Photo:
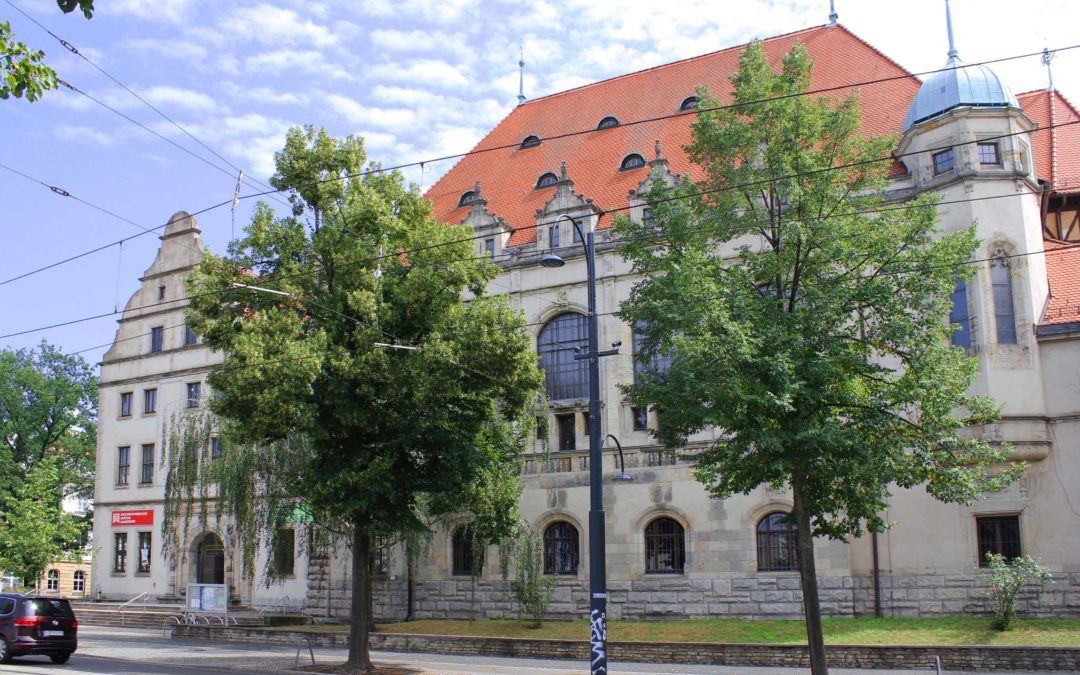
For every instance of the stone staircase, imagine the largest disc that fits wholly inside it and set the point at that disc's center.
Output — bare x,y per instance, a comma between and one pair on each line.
149,615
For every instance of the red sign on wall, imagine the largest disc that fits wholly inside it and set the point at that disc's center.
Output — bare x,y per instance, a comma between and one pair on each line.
125,518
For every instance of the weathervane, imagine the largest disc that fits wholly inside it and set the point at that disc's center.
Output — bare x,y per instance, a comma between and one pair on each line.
833,16
1047,57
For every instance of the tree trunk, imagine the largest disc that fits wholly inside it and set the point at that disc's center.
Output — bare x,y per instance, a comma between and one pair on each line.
804,542
359,657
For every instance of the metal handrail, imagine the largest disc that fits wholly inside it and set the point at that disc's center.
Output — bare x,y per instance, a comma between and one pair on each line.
124,606
280,603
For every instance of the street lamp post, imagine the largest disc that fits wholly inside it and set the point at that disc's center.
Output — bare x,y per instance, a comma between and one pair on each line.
597,538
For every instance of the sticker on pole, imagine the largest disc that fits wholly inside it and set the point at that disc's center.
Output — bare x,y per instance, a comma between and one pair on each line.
600,596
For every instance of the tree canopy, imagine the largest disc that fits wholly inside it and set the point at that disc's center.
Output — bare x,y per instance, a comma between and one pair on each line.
48,429
23,71
806,318
357,380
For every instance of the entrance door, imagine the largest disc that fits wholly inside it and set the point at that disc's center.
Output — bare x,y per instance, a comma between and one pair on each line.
211,569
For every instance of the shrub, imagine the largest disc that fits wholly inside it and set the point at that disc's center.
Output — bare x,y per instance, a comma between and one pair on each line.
532,588
1006,579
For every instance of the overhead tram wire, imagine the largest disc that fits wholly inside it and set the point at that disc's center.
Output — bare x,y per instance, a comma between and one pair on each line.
379,169
74,50
1063,249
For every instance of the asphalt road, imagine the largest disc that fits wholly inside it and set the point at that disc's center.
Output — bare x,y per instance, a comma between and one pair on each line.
130,651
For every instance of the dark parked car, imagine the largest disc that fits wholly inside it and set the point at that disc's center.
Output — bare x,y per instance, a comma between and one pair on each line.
37,625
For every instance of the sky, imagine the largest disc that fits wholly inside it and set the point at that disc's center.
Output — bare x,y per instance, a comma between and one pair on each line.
418,80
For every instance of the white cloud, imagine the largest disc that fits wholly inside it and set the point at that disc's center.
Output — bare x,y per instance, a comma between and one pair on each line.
432,72
277,26
80,134
169,11
261,95
176,97
181,50
293,61
364,116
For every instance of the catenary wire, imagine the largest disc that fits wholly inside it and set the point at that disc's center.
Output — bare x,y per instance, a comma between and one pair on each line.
680,113
74,50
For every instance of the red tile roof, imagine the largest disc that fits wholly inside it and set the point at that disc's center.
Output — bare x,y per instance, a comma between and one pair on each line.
1063,273
1057,145
508,175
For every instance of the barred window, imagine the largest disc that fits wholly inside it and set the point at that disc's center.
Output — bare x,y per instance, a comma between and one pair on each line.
465,563
119,552
776,549
665,547
998,534
561,548
564,376
1004,312
652,363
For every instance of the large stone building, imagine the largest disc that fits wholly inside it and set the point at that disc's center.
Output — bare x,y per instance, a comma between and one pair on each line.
1009,164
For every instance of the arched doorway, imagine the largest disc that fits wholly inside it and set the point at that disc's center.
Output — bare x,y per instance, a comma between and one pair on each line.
210,560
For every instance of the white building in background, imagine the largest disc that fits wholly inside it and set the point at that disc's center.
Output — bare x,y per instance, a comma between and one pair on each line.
1008,163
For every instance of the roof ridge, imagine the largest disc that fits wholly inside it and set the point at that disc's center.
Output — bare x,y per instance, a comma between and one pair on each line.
876,50
689,59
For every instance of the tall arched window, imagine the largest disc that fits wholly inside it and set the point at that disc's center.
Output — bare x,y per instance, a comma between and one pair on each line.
776,543
78,582
1004,313
665,547
465,560
53,581
959,316
655,363
560,548
564,376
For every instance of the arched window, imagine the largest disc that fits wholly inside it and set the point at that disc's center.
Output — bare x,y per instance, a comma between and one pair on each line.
959,316
53,582
530,142
465,560
689,103
776,543
1004,313
564,376
546,180
608,122
78,582
560,548
470,197
632,161
665,547
653,363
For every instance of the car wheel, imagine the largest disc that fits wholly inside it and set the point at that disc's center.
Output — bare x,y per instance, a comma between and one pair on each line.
60,658
5,651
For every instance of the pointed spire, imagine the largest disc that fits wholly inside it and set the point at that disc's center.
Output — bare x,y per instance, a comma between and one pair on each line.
833,16
1047,57
948,24
521,72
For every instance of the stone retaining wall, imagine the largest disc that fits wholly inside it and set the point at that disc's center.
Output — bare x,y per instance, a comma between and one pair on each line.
981,658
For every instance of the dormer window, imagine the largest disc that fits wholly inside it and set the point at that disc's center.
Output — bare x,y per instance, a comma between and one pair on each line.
944,161
530,142
546,180
607,123
632,161
689,103
470,197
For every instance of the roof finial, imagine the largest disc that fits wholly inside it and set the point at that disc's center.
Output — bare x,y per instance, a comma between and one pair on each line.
1047,57
521,72
948,23
658,148
477,188
833,16
562,170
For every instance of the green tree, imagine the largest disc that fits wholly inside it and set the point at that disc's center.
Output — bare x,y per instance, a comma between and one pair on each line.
804,320
317,409
33,527
22,69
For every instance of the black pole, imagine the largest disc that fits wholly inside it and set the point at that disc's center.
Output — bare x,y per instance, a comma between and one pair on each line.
597,539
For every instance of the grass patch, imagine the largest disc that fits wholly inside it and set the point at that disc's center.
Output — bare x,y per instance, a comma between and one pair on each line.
887,631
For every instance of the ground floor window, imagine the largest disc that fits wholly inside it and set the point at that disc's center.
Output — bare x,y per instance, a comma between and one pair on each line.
998,534
78,582
561,549
120,552
144,553
776,543
285,552
52,582
466,562
665,547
